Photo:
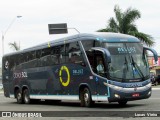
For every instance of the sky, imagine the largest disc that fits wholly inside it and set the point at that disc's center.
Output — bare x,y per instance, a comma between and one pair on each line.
85,15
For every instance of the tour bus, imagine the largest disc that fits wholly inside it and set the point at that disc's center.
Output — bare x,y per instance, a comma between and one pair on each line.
107,67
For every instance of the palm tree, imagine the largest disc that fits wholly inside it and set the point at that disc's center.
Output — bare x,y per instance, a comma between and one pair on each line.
124,23
14,46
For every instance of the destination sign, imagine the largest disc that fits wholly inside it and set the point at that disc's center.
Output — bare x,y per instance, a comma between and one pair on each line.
126,49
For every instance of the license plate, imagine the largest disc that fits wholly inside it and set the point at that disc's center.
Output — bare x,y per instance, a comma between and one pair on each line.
135,95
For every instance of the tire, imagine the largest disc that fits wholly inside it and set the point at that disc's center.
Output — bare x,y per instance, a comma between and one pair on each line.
26,96
19,97
122,103
85,97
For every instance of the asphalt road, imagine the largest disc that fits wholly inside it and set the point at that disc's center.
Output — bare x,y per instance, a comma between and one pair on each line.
151,105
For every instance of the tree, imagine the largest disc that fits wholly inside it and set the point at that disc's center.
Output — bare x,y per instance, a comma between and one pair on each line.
124,23
14,46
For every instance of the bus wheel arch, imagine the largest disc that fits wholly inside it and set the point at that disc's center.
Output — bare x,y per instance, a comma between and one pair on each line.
85,96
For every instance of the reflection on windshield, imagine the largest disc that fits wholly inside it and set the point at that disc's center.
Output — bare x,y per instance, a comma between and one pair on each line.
127,61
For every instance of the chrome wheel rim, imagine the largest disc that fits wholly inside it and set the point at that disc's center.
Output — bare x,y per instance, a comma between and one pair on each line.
19,96
86,97
26,98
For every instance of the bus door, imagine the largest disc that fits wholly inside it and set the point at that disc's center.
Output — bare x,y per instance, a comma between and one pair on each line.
100,63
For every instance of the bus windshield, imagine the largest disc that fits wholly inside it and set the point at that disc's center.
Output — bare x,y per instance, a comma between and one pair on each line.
128,62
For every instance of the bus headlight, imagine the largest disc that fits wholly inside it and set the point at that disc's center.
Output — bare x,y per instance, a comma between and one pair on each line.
116,95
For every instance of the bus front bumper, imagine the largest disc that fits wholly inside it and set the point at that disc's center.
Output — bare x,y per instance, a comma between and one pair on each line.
129,94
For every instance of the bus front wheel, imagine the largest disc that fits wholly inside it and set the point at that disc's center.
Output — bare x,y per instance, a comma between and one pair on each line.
85,96
19,97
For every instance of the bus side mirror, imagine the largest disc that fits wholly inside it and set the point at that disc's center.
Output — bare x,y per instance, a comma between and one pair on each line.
153,51
107,55
105,52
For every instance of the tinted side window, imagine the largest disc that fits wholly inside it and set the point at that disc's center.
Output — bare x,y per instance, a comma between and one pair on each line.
55,55
73,53
68,53
88,44
62,53
45,57
28,60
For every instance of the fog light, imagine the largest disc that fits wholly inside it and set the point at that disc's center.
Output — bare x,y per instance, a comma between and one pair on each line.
117,96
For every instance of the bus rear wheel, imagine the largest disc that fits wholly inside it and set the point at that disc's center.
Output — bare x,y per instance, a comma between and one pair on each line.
26,97
85,96
19,97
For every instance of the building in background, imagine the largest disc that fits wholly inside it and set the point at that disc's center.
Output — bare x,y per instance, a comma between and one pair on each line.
154,67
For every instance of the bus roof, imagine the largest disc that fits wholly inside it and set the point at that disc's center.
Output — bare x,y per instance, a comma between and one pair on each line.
101,36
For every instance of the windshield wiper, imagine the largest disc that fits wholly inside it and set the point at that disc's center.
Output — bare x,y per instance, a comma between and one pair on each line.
137,68
125,68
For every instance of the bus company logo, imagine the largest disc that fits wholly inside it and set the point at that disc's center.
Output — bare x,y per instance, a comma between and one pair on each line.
64,68
6,65
20,75
134,85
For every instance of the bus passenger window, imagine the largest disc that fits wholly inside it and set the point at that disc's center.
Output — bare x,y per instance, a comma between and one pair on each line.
54,59
74,54
89,44
62,54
